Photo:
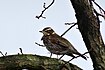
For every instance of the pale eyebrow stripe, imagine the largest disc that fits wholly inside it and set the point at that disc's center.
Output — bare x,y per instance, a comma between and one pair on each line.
48,29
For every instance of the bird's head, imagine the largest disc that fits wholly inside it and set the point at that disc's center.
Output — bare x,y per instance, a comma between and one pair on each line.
47,31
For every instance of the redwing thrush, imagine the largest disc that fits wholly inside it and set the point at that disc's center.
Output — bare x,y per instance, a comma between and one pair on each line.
57,44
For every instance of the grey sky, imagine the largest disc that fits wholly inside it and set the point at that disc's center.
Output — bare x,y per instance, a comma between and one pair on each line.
20,28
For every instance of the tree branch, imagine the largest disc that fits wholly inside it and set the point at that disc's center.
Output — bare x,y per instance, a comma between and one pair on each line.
68,29
39,44
45,8
34,62
89,26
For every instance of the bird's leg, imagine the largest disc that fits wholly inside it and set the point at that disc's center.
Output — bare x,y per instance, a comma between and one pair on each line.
61,56
50,55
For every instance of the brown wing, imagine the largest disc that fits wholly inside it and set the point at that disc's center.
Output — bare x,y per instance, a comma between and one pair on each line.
64,43
55,39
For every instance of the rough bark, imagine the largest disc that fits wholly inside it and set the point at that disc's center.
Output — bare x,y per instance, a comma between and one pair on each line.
89,27
34,62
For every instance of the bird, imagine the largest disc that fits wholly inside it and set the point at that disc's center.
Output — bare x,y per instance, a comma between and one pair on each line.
57,44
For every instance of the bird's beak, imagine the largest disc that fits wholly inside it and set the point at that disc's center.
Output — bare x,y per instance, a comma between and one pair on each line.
41,31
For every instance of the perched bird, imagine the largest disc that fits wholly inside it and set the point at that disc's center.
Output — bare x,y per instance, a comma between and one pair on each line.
57,44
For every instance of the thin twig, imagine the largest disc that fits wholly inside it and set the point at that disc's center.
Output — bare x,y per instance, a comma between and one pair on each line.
69,23
2,54
77,56
5,53
39,44
68,29
98,6
45,8
21,51
80,56
101,10
61,56
97,15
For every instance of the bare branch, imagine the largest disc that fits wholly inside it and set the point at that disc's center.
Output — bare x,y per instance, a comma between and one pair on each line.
5,53
98,6
69,23
45,8
77,56
102,11
39,44
34,62
68,29
2,54
80,56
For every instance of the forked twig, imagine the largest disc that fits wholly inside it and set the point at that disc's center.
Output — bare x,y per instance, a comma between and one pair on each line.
77,56
102,11
45,8
98,5
80,56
